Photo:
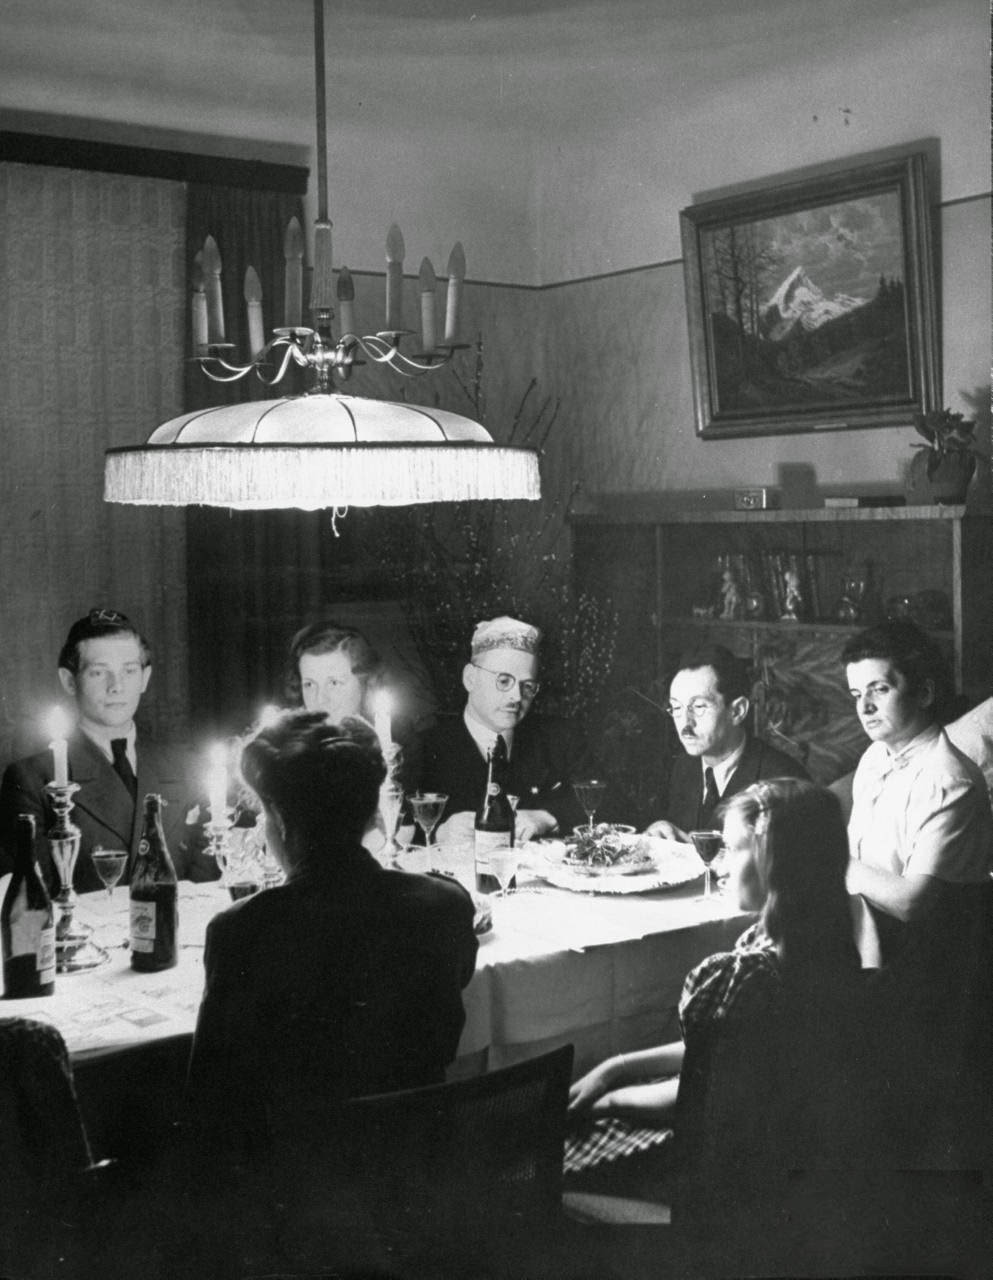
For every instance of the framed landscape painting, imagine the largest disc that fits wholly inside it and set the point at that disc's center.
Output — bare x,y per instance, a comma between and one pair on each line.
812,304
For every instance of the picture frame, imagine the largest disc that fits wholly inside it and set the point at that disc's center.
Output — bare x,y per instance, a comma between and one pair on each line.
812,303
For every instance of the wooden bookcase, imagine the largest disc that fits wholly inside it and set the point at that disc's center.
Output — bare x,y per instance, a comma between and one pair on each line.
662,569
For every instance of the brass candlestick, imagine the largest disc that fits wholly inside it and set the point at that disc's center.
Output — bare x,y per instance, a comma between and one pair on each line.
74,950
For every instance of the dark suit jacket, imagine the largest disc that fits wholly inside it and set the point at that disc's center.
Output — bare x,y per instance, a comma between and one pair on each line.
547,756
345,980
102,808
759,761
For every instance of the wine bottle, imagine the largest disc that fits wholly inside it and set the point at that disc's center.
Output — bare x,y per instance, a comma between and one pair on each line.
494,819
154,916
27,923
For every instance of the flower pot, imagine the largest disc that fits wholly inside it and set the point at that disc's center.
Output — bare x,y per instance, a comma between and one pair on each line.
947,484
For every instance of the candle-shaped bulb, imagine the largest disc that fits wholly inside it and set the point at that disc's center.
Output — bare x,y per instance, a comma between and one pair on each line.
198,317
217,783
58,728
381,708
253,302
211,260
321,285
456,278
293,291
345,289
427,287
394,278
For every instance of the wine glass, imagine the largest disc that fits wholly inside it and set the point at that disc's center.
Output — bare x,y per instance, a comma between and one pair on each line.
708,845
503,865
428,806
589,792
109,864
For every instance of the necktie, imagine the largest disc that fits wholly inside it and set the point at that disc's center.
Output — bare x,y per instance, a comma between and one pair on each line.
711,798
122,766
500,760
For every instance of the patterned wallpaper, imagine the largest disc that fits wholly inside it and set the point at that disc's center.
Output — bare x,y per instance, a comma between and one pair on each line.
91,325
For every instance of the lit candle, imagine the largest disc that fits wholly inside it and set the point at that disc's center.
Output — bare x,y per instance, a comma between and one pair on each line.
381,708
58,727
427,284
268,715
253,301
456,275
345,290
217,783
394,278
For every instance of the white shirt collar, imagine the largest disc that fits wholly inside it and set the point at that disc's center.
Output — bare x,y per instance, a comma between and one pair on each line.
723,770
483,736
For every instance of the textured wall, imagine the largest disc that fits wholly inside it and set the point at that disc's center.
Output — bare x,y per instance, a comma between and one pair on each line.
91,318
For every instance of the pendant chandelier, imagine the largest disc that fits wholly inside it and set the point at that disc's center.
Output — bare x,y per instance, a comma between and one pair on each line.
323,449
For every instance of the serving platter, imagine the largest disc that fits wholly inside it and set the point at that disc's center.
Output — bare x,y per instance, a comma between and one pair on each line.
672,864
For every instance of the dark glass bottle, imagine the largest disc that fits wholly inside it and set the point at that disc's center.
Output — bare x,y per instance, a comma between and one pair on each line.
154,916
494,819
27,923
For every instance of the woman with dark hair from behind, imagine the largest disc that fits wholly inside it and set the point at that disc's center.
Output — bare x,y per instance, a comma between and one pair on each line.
347,978
787,848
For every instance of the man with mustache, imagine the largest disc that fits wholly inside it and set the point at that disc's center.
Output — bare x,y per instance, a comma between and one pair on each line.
543,755
709,704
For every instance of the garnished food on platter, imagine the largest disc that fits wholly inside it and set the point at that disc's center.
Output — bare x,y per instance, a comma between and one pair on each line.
608,849
615,861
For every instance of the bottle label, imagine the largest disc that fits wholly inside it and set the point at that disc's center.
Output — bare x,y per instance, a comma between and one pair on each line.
142,925
487,840
46,955
27,932
493,788
143,847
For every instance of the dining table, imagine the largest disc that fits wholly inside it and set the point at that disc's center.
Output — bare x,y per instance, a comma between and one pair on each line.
599,969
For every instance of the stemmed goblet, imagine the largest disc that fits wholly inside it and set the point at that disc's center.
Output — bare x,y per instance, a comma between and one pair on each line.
503,864
708,845
109,865
589,793
427,807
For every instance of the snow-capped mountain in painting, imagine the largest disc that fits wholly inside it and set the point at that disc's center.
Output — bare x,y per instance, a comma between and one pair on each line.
799,301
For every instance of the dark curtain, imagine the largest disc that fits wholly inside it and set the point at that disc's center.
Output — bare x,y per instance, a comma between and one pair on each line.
251,575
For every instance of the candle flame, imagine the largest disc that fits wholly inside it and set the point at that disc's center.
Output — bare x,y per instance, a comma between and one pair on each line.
218,754
382,703
58,722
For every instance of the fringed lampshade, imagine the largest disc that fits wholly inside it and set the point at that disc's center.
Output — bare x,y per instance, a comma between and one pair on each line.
318,451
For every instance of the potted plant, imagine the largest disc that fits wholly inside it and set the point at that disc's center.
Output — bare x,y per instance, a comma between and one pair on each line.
944,465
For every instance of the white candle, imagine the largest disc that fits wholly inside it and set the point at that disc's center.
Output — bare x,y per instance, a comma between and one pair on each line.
253,304
58,727
394,279
381,708
217,783
427,286
456,275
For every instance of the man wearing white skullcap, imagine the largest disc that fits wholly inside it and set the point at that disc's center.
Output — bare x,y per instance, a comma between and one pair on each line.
543,755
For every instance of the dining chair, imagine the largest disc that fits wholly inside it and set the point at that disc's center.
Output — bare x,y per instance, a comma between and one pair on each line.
46,1169
442,1180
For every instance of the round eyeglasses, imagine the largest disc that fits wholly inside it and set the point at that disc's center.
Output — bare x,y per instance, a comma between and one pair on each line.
505,681
696,707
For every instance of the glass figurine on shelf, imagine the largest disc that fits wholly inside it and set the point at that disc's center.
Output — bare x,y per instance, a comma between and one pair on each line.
732,602
849,610
792,596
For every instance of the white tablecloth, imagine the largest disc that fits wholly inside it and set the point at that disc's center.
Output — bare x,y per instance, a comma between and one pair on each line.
602,972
